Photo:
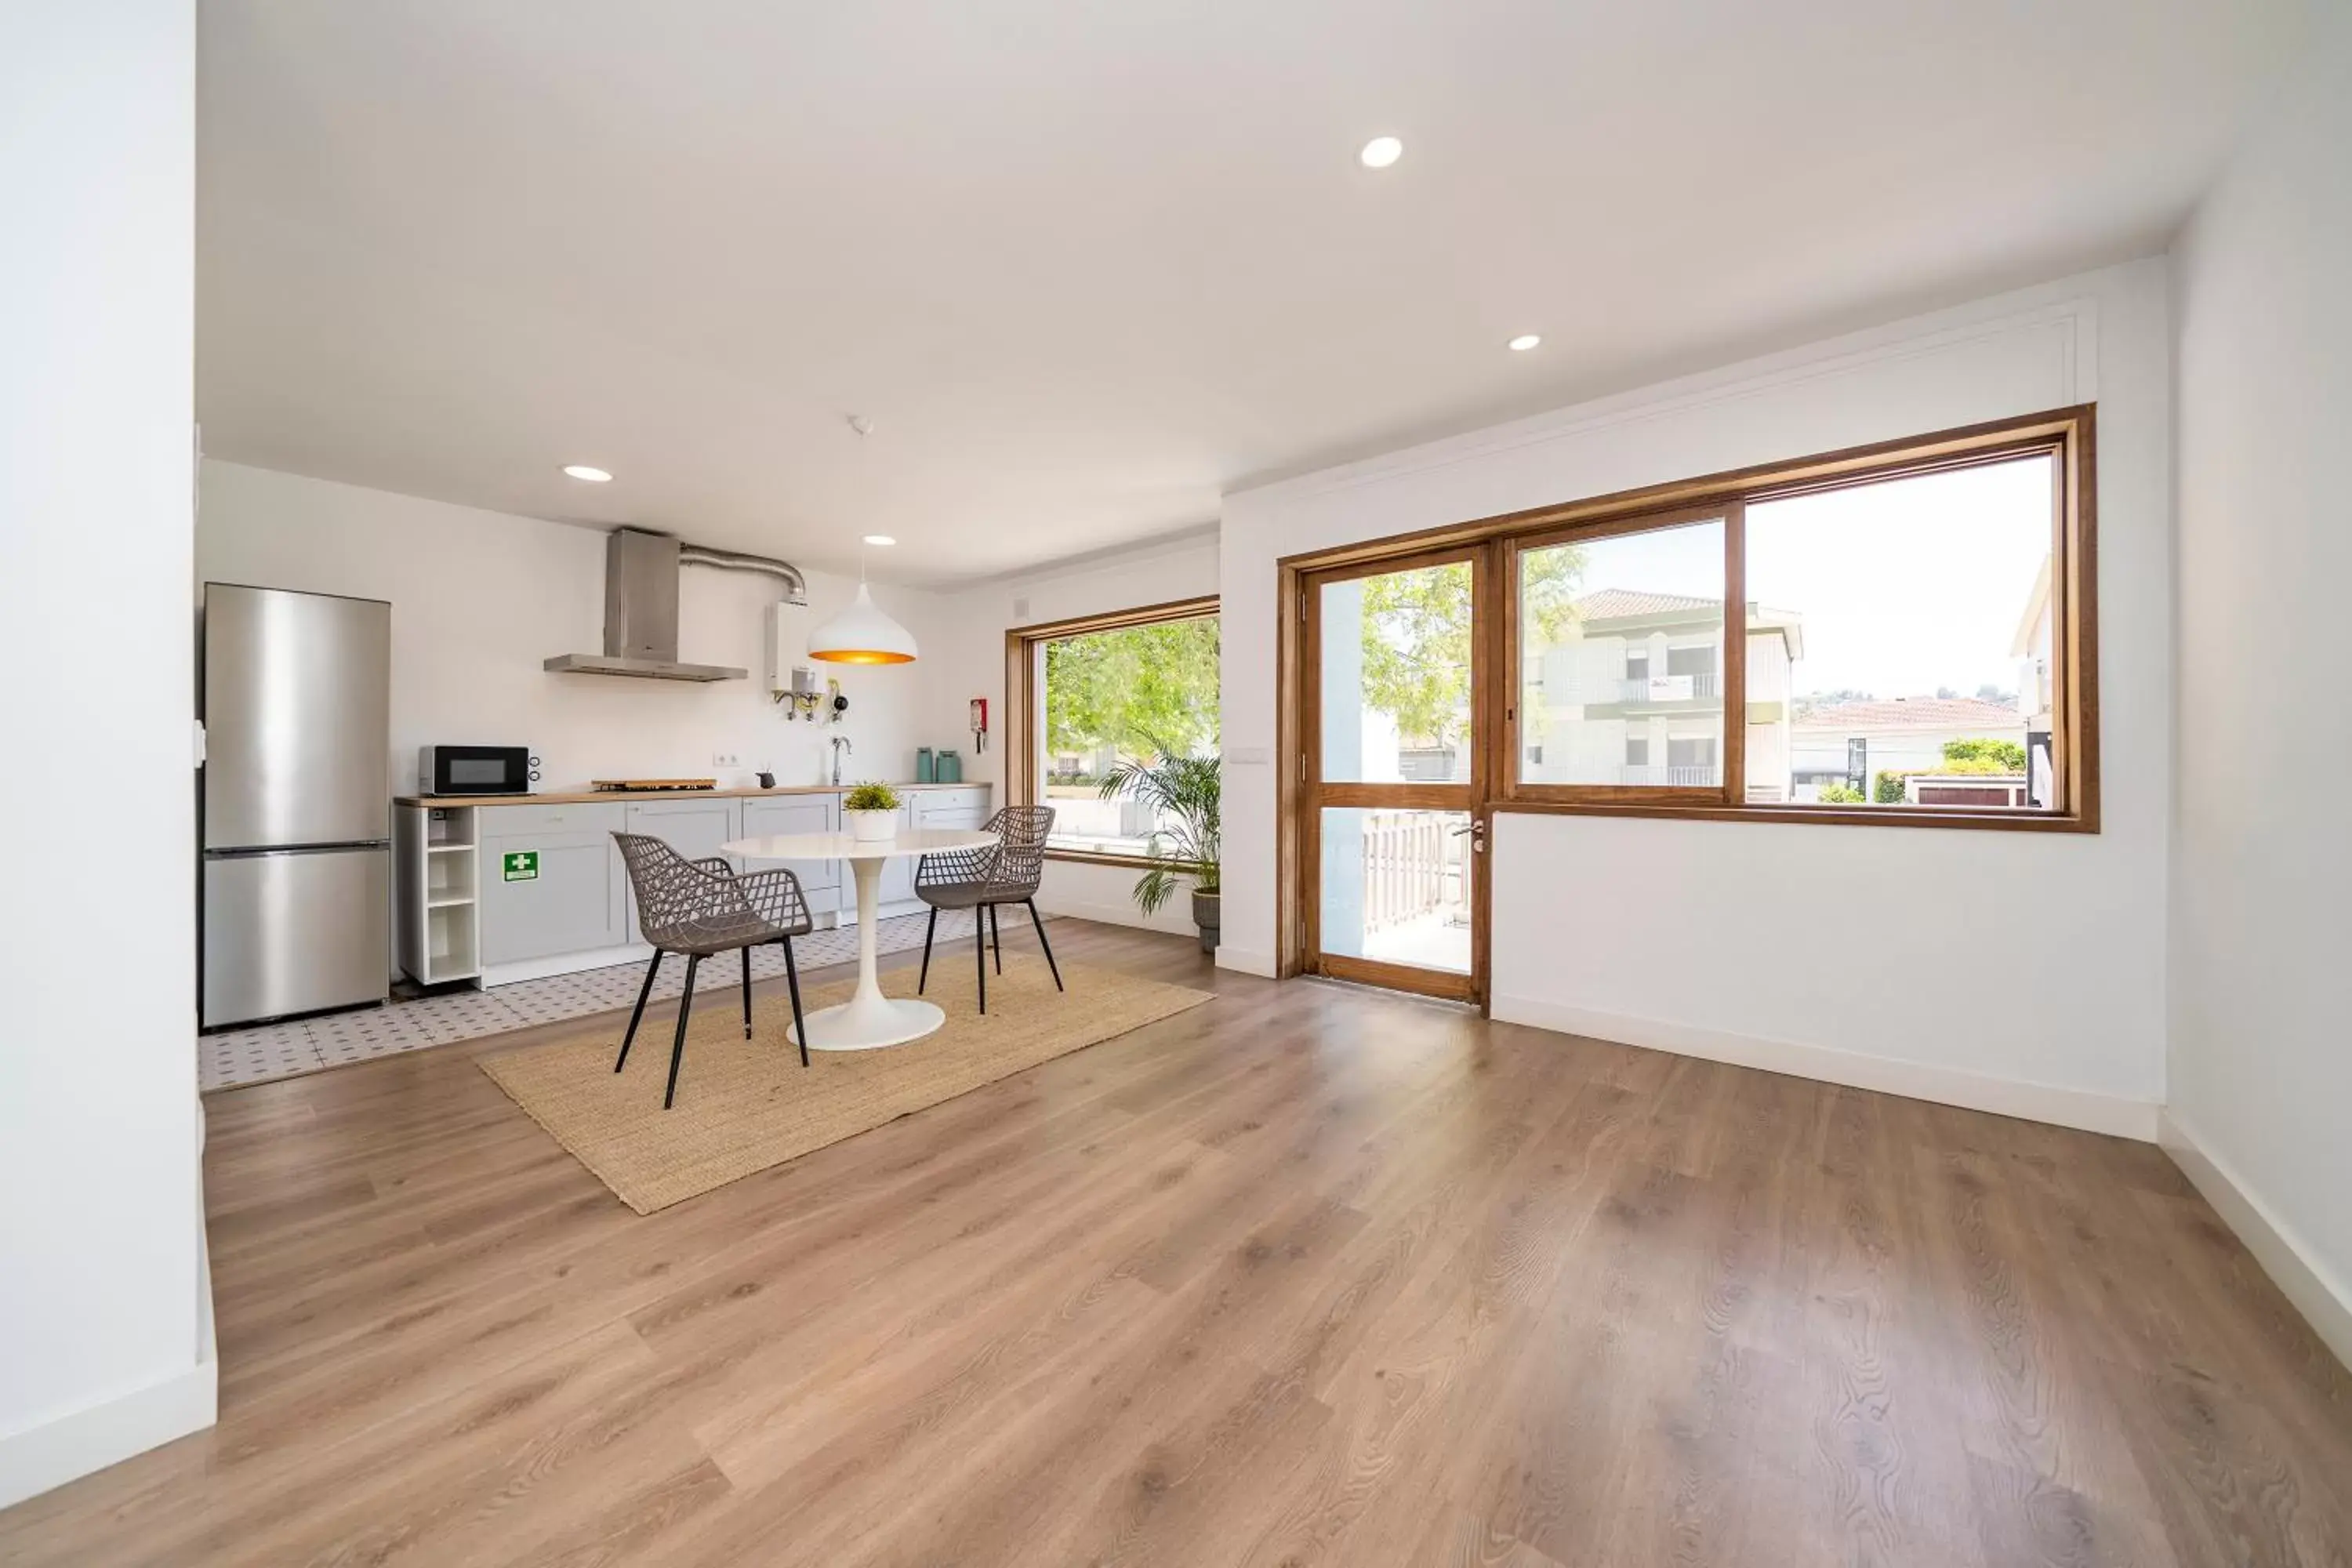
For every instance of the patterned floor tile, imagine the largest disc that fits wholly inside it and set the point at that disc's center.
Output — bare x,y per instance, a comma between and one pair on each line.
238,1057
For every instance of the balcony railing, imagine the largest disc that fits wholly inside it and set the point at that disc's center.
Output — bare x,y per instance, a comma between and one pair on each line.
1666,687
1702,776
1408,857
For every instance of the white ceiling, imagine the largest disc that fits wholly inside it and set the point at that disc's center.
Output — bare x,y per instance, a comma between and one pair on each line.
1087,264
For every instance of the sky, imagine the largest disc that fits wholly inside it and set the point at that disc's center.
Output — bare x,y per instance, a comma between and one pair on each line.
1903,587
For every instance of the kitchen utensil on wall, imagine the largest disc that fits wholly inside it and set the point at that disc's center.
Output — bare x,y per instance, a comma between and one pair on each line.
979,725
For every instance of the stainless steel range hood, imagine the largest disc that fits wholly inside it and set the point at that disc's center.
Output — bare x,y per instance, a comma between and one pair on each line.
641,607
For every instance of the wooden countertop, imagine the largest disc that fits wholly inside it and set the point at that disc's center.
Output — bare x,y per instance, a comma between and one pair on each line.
593,796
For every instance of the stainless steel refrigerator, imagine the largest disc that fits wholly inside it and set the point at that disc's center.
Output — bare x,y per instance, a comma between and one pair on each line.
296,803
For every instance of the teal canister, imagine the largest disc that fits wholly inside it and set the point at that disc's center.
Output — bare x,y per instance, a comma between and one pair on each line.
926,771
950,768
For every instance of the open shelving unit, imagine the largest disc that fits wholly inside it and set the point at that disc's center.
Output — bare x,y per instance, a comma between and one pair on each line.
439,878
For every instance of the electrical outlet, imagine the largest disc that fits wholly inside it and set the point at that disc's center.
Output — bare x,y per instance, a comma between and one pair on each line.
725,759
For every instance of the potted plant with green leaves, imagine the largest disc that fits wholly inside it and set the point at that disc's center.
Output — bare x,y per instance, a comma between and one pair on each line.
1185,794
872,810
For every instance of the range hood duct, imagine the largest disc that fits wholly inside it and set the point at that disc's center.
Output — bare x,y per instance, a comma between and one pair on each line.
795,585
641,606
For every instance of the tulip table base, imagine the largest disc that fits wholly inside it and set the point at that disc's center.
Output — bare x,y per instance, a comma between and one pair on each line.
868,1023
869,1020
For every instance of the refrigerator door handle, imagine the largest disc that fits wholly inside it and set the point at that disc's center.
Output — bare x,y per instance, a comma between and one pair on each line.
254,851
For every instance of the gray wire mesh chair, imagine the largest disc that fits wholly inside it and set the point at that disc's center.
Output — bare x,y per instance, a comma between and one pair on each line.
701,908
1005,872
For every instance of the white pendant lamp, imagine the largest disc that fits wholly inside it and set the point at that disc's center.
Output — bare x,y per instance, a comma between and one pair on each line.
862,634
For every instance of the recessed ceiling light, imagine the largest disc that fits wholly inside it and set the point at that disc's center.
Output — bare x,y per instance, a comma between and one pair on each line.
1380,152
1525,342
879,539
583,471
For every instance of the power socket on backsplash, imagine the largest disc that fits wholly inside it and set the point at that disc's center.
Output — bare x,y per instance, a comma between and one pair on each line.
725,759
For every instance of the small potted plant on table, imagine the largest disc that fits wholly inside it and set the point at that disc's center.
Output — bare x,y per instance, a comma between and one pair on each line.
1186,795
873,812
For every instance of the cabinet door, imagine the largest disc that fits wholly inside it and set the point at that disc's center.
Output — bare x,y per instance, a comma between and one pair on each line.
695,828
576,898
820,879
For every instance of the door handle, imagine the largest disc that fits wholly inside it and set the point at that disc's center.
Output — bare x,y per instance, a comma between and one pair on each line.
1477,832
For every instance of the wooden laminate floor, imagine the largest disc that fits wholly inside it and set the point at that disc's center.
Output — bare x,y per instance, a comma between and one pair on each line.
1305,1276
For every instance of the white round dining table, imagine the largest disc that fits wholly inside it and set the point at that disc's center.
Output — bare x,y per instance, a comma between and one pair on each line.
869,1020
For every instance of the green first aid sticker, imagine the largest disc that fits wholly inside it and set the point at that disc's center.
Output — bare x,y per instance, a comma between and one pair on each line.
522,865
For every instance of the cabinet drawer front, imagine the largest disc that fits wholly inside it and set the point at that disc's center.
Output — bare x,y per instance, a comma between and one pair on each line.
577,902
951,807
600,817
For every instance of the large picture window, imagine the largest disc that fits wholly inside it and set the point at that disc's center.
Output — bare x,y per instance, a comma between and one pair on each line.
1904,633
1091,695
1899,655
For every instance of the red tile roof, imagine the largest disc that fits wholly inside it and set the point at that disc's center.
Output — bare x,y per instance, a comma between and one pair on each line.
1912,713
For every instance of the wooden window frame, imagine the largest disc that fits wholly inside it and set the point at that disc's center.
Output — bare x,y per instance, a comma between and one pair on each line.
2069,436
1731,748
1023,706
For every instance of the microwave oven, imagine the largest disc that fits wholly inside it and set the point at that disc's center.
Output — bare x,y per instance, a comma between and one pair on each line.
476,770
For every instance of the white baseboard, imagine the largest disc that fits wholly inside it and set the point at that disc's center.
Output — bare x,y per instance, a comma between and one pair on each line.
562,964
39,1458
1176,921
1245,959
2325,1301
1945,1085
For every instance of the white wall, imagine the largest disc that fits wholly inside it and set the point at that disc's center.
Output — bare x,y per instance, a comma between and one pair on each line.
1774,944
105,1338
2262,998
479,599
977,620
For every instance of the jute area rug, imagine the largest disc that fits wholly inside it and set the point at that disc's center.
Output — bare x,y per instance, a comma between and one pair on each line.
745,1105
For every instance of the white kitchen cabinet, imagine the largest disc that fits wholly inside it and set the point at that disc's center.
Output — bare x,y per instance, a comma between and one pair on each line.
566,905
550,881
965,808
434,862
821,880
695,826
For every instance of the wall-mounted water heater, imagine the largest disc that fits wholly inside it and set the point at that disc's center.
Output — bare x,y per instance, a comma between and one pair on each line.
787,646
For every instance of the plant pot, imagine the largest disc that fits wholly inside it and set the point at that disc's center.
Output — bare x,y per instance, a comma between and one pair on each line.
1207,911
872,827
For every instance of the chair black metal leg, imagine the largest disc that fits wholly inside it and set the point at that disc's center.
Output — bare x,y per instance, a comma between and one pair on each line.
678,1045
979,954
792,979
1038,920
639,1011
996,938
929,927
746,951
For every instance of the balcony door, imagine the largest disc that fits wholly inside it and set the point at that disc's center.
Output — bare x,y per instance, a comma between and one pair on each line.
1392,774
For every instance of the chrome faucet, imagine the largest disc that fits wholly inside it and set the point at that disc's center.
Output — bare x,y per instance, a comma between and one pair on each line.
840,744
